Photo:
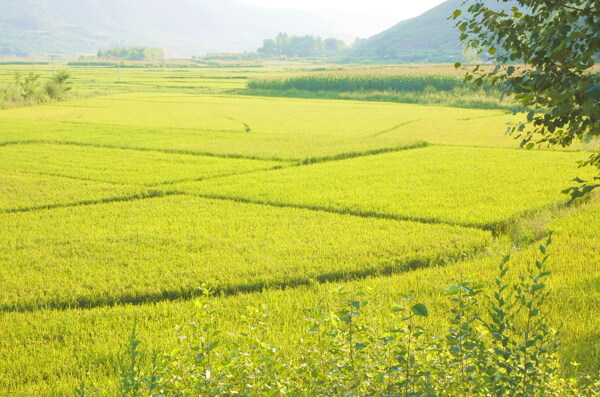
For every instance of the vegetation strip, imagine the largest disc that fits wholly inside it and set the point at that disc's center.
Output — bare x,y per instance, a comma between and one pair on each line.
351,155
149,195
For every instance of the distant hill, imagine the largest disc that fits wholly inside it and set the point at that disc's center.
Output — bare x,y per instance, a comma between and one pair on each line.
181,27
430,37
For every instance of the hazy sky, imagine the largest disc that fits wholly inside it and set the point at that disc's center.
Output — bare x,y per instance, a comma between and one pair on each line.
357,18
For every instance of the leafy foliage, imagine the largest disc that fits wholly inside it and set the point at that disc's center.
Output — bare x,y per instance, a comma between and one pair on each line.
557,85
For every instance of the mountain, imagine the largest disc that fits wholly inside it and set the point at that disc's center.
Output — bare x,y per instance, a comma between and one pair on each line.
430,37
181,27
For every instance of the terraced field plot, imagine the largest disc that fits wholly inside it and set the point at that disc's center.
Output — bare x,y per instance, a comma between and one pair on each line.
19,192
168,247
120,165
459,185
253,127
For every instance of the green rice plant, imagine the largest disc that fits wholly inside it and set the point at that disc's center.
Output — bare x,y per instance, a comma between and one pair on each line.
457,185
20,192
166,248
50,352
289,129
121,166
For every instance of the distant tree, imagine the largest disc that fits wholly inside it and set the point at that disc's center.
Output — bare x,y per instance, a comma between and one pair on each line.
334,45
544,52
269,48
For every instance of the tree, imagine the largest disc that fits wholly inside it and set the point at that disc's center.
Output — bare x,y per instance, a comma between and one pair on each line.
544,53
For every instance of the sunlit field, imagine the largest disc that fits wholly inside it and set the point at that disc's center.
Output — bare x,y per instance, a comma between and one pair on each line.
130,198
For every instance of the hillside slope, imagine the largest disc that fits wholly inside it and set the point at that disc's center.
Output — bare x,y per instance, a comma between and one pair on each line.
430,37
182,27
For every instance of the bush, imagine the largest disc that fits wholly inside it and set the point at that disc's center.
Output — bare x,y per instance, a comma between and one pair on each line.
29,90
58,85
25,90
496,345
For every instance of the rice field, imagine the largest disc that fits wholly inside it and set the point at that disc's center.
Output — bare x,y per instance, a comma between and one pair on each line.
166,248
124,205
121,166
438,184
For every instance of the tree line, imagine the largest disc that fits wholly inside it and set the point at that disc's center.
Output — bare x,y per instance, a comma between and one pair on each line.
301,46
132,53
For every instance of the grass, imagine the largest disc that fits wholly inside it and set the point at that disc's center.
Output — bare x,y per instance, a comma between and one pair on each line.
166,248
469,186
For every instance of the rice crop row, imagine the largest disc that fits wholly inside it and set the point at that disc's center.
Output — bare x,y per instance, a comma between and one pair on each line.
470,186
51,352
167,248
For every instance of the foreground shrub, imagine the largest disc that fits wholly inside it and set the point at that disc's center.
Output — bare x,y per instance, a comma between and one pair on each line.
498,344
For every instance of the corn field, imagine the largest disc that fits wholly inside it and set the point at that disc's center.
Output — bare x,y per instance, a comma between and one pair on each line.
363,82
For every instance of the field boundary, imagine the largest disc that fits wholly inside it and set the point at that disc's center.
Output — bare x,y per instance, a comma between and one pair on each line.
316,208
394,128
149,194
284,161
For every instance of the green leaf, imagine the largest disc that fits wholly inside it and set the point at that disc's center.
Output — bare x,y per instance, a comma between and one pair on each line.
594,92
453,290
420,310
